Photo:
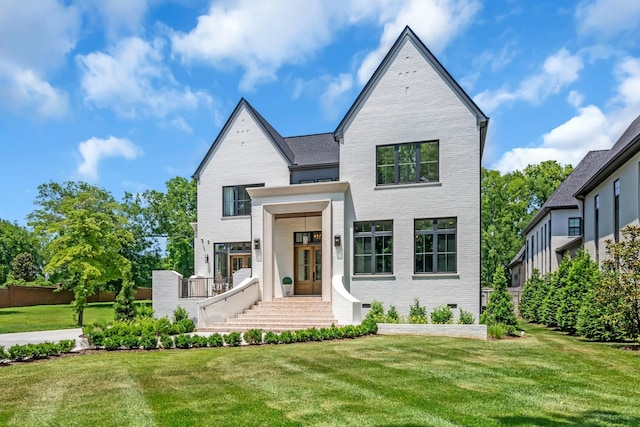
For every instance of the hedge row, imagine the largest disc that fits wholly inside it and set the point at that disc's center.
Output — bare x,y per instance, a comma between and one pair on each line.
25,352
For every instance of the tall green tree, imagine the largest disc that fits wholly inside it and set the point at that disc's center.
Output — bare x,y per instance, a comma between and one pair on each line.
15,240
171,214
500,306
85,232
582,277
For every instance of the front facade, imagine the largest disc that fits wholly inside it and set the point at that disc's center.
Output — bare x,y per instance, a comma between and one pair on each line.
386,207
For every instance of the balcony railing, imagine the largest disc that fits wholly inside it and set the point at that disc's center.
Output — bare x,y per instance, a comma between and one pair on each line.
203,287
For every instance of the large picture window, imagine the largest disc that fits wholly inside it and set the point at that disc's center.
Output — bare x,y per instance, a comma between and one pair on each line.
407,163
373,247
435,246
236,200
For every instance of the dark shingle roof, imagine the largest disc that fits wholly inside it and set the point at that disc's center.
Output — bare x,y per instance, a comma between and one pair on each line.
626,147
315,149
563,197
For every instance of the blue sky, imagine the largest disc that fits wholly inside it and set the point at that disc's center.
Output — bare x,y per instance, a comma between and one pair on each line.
129,94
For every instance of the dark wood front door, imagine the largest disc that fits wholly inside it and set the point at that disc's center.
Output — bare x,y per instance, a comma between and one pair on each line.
308,275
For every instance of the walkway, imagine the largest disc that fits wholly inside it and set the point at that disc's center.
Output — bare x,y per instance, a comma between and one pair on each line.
7,340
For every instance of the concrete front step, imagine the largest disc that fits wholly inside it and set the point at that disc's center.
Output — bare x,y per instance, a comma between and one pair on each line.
281,318
242,327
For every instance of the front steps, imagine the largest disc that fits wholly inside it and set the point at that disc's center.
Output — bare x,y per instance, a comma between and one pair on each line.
281,314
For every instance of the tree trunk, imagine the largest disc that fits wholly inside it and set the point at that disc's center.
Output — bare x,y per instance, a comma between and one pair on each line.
80,316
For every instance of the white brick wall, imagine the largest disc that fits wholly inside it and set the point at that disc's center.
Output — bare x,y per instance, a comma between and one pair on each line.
412,103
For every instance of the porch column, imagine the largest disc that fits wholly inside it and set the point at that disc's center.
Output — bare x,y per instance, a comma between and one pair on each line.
327,252
268,248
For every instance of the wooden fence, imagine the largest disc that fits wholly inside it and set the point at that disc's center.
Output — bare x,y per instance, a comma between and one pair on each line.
21,296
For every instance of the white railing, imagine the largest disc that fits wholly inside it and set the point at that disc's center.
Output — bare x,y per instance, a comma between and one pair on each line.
228,304
346,308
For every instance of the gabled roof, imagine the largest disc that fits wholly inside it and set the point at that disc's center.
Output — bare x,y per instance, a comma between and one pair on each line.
518,258
407,33
310,150
271,133
626,147
563,197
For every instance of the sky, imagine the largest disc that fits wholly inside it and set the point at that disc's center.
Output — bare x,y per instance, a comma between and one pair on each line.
127,94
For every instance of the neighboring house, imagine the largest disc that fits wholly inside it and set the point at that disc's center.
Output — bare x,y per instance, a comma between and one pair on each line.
610,196
386,207
597,200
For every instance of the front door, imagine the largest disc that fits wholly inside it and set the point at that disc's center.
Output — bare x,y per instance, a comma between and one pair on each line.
308,276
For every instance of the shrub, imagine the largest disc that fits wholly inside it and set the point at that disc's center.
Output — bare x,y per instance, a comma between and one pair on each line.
149,342
314,334
349,331
535,289
130,342
198,341
582,277
19,352
161,326
180,313
123,305
500,308
176,328
96,338
215,340
253,336
371,327
442,315
144,310
496,330
286,337
271,338
187,325
301,336
233,339
392,315
551,302
465,318
166,341
3,354
417,313
182,341
112,343
376,312
66,346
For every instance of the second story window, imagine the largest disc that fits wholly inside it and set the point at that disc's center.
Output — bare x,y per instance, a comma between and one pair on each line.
575,226
407,163
236,200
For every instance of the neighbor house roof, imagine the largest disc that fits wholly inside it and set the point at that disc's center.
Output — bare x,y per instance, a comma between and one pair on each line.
407,33
312,150
627,146
518,258
563,197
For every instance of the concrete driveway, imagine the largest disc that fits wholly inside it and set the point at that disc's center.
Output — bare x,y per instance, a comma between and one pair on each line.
7,340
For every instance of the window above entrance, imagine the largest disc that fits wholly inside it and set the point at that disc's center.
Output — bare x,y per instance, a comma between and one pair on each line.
307,237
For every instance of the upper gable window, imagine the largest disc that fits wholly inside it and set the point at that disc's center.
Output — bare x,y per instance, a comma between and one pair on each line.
407,163
236,200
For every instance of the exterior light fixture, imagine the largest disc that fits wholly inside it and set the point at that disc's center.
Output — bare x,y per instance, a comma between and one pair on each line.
206,258
337,240
256,243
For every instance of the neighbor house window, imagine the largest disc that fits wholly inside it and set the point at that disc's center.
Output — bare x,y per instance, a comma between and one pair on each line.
406,163
596,225
373,247
575,226
616,210
435,245
236,200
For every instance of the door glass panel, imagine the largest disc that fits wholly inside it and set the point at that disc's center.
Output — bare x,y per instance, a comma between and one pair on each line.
303,265
318,256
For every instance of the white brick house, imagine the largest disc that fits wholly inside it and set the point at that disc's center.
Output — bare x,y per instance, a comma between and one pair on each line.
386,207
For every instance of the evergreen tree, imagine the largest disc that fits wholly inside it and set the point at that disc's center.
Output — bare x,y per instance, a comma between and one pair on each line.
582,277
527,306
551,303
500,306
123,305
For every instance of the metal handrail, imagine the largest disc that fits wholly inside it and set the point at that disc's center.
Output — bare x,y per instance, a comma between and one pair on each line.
203,287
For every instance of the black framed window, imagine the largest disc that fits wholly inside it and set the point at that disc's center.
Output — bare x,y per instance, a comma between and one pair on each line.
373,247
407,163
616,210
575,226
236,200
596,225
435,245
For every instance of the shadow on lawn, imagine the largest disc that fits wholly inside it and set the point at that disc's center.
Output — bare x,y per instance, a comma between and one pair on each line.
588,419
3,312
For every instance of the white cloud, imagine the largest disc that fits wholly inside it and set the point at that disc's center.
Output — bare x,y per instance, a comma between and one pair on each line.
590,129
131,79
436,22
121,16
608,17
334,94
94,150
40,38
557,71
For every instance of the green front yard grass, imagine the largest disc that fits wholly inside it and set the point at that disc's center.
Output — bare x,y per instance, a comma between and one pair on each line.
50,317
544,378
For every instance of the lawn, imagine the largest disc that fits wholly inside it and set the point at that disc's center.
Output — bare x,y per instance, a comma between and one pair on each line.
543,379
48,317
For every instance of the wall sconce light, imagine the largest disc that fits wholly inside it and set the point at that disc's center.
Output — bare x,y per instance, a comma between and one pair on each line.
256,243
206,258
337,240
